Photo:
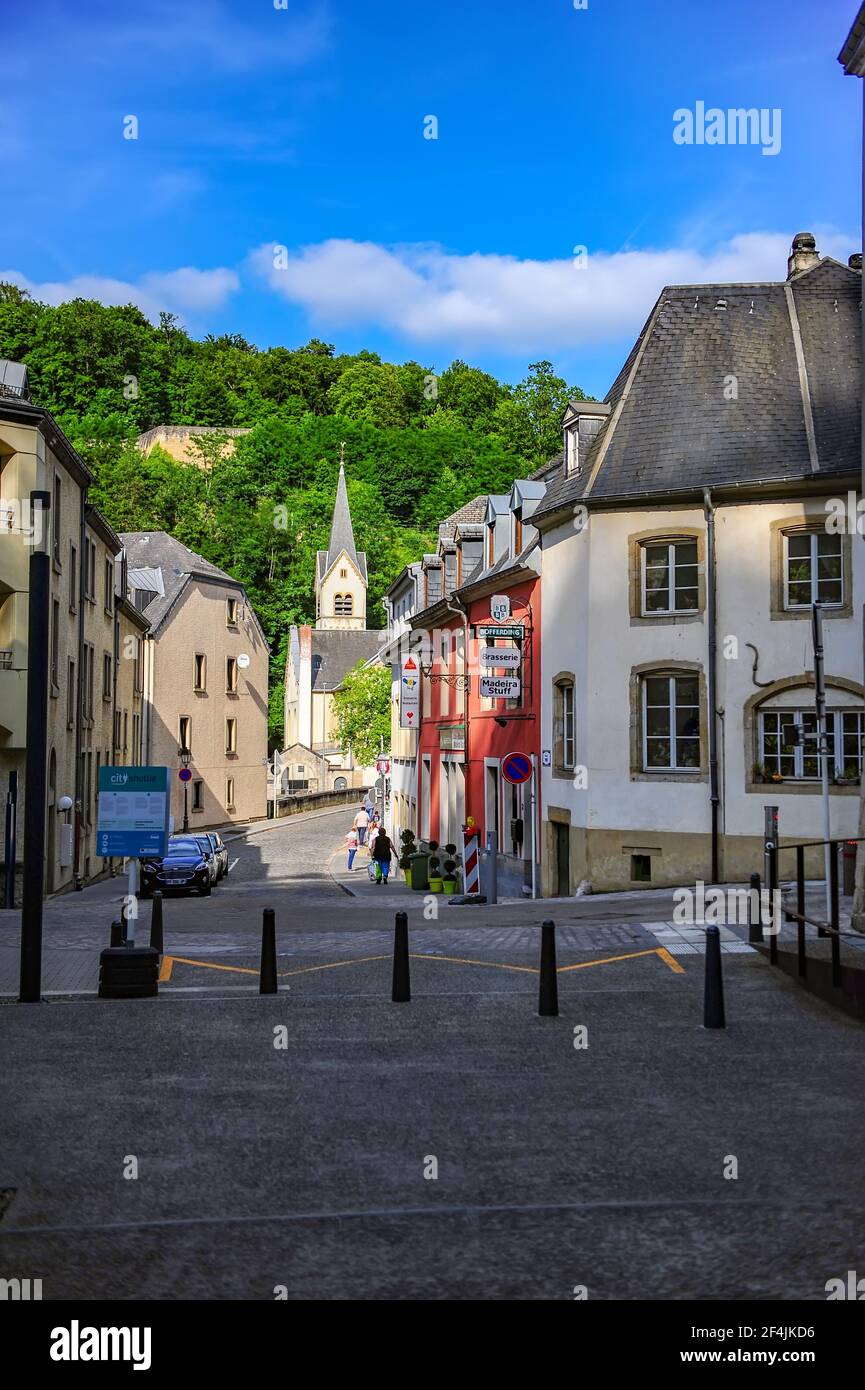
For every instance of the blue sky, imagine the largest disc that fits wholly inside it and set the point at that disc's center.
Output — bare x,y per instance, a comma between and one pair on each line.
303,127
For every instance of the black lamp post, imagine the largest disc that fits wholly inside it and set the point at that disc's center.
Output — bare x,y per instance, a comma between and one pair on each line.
185,757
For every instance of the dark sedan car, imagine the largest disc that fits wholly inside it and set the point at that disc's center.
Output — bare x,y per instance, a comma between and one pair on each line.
185,869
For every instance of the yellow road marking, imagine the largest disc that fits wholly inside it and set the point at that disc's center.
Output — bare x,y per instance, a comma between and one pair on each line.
168,963
671,961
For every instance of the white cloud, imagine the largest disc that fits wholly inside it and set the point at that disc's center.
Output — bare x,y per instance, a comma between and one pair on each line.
184,291
428,295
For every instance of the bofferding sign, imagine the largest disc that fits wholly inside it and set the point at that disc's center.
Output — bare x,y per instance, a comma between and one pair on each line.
500,687
500,656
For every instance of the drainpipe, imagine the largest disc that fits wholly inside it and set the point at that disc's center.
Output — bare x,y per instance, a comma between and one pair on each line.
460,611
714,796
78,816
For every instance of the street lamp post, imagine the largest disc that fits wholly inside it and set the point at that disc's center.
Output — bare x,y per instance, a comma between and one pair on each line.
185,757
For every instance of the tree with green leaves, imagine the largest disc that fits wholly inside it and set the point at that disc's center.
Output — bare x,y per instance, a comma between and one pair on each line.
361,707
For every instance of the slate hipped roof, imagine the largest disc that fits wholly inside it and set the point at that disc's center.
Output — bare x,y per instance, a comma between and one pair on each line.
177,565
730,384
336,652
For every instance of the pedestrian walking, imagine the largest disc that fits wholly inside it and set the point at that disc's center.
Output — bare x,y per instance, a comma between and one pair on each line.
382,853
361,825
351,846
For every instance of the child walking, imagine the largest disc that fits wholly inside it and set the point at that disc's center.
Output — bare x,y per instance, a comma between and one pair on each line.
351,846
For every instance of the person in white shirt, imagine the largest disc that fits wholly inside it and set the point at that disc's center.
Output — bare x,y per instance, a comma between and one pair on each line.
361,824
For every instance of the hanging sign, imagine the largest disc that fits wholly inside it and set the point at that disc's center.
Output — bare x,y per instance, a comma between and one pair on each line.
500,687
500,608
487,632
508,657
409,693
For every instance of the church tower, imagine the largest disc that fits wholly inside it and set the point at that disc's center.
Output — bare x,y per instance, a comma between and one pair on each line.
340,572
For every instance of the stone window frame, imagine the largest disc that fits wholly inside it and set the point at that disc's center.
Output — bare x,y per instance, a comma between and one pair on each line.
637,542
666,668
777,532
559,768
750,726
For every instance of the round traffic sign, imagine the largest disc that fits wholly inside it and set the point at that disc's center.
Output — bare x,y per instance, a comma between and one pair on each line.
382,766
185,775
516,767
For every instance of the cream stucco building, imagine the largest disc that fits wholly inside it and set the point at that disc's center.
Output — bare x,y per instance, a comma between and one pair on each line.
688,527
205,676
95,699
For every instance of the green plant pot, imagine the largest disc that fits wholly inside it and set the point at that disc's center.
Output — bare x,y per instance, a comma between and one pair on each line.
449,886
436,885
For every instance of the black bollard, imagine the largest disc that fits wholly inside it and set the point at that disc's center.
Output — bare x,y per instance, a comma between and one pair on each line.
401,986
755,908
156,941
116,934
713,997
548,995
267,982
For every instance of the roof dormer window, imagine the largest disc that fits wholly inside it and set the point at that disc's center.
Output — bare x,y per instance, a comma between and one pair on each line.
572,448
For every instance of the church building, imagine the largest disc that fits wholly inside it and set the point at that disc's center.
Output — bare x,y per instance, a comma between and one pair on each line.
318,659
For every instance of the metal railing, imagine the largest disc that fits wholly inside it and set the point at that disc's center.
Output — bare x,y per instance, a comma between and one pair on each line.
830,928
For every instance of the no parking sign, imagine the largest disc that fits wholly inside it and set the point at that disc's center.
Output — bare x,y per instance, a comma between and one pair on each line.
516,768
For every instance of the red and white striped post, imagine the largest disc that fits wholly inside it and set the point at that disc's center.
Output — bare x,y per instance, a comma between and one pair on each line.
471,859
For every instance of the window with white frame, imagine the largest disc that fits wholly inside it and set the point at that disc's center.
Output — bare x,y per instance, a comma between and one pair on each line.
671,723
564,744
669,577
787,743
813,569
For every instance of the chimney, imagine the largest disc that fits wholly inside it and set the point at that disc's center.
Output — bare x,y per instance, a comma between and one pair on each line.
855,261
804,255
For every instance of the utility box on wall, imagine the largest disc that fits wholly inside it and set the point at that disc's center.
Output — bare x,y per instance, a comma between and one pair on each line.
65,846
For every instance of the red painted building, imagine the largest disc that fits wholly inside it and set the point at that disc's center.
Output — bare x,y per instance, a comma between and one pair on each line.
486,551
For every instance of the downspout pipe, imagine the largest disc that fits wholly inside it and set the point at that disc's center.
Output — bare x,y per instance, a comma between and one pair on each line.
459,610
712,657
78,814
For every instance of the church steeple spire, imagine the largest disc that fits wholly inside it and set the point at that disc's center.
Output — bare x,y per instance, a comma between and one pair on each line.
340,572
341,530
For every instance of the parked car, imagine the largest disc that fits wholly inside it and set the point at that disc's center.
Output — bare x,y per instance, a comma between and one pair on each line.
185,869
221,851
206,846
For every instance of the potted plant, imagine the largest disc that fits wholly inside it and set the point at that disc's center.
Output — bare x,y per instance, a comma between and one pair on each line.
449,878
409,847
434,870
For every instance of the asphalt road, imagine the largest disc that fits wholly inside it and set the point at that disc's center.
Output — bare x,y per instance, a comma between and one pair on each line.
330,1142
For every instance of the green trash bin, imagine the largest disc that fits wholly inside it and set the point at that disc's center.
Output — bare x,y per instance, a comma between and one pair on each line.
419,872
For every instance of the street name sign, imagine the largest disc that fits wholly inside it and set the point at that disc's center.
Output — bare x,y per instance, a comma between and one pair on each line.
500,656
134,804
500,687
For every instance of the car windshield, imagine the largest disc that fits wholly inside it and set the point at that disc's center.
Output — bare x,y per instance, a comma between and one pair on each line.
184,847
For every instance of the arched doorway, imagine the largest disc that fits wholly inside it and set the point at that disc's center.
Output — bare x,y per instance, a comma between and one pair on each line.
340,785
51,838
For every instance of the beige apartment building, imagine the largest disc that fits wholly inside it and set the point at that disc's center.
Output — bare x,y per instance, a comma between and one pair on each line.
205,674
91,626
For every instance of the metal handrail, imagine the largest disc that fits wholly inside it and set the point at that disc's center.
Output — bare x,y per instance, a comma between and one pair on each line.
831,928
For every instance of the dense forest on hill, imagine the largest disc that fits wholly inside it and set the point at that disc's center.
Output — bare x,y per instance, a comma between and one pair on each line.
418,444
